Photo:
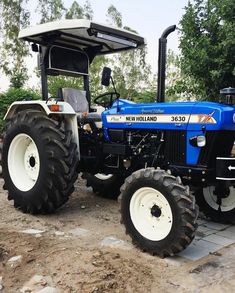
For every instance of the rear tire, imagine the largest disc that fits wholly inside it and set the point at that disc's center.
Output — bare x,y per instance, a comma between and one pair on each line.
207,202
39,162
158,212
107,186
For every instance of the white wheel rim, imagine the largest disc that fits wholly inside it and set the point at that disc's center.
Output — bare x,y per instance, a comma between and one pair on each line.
103,176
150,226
227,204
23,162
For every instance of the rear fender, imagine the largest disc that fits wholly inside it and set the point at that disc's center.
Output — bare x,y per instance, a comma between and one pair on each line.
65,109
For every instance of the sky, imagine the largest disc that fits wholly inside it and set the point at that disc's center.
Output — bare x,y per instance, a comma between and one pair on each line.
149,18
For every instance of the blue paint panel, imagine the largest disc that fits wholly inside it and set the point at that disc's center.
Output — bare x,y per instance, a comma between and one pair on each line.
130,108
192,152
222,114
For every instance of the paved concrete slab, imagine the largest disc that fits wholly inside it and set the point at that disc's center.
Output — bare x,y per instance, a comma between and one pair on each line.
194,252
209,245
231,229
210,237
227,234
215,226
205,231
217,239
201,221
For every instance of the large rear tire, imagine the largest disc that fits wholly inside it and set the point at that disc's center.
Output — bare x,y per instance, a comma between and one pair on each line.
158,212
107,186
39,162
208,204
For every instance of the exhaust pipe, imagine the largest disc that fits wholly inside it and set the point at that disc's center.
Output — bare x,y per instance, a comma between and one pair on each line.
162,63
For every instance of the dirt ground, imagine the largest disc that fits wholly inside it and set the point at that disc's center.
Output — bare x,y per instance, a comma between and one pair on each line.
68,254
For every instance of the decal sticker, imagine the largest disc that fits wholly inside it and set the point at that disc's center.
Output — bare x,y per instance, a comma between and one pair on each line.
207,118
153,111
162,118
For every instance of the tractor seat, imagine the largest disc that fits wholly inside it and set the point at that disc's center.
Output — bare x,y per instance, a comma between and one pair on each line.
77,99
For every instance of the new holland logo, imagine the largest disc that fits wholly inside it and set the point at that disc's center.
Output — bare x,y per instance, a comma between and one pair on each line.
163,118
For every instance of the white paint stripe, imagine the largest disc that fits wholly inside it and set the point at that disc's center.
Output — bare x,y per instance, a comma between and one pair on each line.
161,118
222,178
221,158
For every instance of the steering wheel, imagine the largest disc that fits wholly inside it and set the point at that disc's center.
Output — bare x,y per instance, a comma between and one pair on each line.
106,100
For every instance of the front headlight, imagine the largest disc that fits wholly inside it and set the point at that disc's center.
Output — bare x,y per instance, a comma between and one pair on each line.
198,141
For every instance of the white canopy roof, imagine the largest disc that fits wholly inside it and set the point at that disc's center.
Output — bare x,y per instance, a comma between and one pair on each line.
82,33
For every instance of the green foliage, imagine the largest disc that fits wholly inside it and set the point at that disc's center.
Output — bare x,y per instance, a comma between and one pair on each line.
50,10
208,46
130,71
145,96
56,82
87,10
95,75
75,11
12,95
55,10
78,11
13,16
114,16
179,86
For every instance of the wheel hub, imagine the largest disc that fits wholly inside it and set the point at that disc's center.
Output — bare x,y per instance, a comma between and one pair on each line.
224,204
151,213
103,176
32,161
156,211
23,162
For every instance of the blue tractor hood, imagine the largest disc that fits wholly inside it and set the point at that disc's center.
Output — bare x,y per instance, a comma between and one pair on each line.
169,116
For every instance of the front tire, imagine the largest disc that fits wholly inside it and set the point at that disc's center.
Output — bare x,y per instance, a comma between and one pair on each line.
158,212
208,204
39,162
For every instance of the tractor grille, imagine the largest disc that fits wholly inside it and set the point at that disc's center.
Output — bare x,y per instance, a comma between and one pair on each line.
175,148
218,144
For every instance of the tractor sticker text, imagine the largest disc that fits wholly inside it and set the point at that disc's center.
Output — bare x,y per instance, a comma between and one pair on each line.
162,118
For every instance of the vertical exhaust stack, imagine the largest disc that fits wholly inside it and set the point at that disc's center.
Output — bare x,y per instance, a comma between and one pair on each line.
162,63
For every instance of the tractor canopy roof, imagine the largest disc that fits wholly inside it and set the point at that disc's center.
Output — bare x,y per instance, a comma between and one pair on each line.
84,34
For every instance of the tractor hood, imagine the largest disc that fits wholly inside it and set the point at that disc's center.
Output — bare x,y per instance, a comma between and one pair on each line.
172,116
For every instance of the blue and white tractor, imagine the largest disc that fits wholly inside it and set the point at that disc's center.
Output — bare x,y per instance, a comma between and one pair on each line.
159,158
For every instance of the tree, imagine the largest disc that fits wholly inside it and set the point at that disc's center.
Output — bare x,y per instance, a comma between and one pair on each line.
75,11
130,70
88,11
207,44
54,10
179,86
50,10
78,11
13,17
95,75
